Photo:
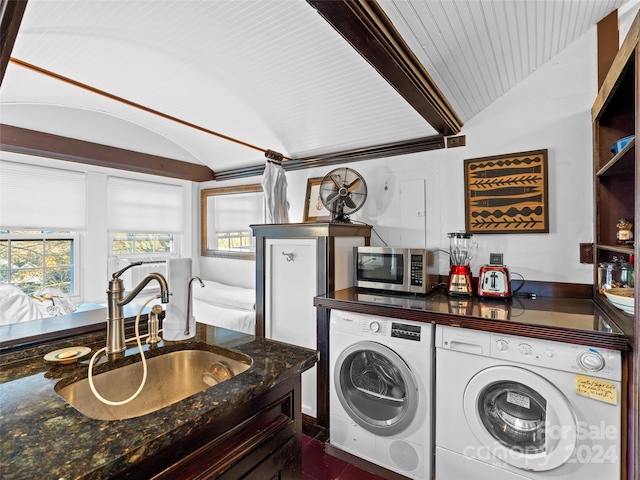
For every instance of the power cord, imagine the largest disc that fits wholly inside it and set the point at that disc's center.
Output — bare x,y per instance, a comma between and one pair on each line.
372,229
522,294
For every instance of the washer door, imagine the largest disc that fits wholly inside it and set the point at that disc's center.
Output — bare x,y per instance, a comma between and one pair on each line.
522,418
376,388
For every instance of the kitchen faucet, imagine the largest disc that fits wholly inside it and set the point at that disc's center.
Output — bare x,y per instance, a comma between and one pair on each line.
189,301
116,301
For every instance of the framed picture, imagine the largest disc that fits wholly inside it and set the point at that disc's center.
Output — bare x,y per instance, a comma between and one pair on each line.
314,210
507,193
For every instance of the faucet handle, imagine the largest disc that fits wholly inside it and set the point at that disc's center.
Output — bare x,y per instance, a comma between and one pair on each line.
120,272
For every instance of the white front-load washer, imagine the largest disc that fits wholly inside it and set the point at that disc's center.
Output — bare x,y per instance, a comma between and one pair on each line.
513,408
380,377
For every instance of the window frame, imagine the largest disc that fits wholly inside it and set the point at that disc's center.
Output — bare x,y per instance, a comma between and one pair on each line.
76,265
210,192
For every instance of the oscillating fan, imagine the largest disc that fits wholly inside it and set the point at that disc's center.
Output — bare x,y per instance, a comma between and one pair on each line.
343,191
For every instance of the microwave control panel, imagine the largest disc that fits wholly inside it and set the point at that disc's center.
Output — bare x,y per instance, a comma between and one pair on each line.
416,270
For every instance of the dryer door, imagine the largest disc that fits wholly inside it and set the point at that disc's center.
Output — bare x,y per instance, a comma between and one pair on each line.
521,417
376,388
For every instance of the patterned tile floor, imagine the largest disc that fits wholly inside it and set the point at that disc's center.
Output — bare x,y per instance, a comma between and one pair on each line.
318,465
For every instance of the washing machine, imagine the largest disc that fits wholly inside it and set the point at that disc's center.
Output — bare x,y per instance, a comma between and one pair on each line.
381,381
514,408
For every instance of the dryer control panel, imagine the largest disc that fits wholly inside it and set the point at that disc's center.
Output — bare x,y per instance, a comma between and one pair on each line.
408,332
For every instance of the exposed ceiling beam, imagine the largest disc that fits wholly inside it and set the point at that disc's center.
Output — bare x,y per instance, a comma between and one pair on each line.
31,142
11,13
345,156
368,29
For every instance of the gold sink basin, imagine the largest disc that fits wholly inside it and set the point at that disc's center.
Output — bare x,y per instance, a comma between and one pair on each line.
171,377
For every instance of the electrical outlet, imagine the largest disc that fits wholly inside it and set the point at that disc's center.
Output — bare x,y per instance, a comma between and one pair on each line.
586,253
459,141
495,259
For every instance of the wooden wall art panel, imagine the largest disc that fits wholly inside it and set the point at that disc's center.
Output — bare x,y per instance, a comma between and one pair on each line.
507,193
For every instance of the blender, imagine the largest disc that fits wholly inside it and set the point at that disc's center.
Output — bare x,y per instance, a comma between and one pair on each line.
462,250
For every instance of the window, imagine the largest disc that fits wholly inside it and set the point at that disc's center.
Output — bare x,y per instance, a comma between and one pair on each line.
32,260
142,244
226,214
235,241
137,210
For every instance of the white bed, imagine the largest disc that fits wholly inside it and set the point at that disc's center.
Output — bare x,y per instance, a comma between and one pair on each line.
16,306
225,306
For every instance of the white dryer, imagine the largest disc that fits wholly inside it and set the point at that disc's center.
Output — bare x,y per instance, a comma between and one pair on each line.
513,408
381,373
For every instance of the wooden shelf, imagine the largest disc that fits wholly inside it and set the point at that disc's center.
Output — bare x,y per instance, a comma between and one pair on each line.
622,163
627,250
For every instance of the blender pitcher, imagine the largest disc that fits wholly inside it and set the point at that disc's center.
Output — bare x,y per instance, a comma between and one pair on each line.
461,250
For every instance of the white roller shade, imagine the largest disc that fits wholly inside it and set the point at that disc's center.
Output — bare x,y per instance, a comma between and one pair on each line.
42,198
234,213
139,206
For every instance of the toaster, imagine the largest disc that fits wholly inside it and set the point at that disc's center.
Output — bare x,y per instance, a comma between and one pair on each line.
494,282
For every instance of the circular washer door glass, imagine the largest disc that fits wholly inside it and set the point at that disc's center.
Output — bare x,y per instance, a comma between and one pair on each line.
511,411
376,388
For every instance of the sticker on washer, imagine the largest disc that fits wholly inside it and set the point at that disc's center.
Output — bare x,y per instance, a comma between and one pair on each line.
597,389
519,399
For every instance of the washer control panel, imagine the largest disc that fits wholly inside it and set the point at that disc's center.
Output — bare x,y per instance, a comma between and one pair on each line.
597,362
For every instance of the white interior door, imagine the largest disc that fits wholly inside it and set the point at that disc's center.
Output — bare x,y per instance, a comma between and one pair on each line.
290,285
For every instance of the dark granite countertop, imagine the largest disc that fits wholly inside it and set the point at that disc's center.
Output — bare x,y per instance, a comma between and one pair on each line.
569,320
42,436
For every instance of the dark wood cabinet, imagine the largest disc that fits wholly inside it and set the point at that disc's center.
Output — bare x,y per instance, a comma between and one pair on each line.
616,115
258,440
617,193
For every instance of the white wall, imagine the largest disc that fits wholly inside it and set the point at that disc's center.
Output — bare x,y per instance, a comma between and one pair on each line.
548,110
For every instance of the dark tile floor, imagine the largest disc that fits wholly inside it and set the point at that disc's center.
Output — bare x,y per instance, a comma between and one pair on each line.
318,465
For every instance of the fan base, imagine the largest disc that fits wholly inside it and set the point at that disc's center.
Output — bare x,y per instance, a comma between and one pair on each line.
341,218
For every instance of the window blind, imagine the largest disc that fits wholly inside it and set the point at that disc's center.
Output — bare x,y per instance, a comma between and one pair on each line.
234,213
35,197
139,206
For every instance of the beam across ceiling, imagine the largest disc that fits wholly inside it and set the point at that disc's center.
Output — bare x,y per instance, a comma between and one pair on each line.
367,28
345,156
40,144
11,13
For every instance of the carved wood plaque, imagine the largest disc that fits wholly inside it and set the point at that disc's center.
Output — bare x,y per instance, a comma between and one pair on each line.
507,193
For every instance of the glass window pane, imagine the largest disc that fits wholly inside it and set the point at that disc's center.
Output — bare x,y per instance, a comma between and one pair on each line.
26,253
4,254
143,246
60,278
58,252
163,243
4,276
122,247
29,281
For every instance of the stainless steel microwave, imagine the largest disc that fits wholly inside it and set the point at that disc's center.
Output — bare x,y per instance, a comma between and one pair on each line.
408,270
